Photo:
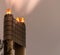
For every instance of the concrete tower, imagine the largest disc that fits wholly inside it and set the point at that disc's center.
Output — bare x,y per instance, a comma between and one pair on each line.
14,35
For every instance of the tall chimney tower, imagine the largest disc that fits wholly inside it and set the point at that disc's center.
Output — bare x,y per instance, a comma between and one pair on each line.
14,35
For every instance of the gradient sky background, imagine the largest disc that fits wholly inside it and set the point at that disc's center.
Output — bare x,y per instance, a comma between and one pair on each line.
42,27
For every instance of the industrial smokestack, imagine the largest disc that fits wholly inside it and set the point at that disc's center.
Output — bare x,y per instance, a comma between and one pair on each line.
14,35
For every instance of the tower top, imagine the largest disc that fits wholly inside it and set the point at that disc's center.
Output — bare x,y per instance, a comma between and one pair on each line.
8,11
21,20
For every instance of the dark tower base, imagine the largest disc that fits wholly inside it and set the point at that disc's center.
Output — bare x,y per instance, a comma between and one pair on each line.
19,50
8,47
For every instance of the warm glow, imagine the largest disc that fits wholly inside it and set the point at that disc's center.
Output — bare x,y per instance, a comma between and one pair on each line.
22,20
21,6
8,11
18,19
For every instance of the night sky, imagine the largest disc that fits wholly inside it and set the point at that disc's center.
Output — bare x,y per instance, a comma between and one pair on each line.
42,27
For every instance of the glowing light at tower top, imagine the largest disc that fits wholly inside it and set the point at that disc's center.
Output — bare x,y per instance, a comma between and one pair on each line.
20,19
8,11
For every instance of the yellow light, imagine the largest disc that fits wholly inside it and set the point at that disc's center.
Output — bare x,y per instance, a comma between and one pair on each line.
18,19
8,11
22,20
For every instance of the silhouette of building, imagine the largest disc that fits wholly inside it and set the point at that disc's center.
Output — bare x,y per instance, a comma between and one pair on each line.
14,35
